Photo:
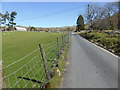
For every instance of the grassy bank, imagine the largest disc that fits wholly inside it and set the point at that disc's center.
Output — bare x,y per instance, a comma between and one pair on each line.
108,41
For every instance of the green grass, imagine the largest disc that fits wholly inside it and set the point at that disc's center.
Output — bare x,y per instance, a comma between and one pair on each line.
56,81
19,44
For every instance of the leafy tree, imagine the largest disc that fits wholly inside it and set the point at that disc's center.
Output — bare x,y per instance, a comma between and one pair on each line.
80,23
13,14
1,19
7,19
32,29
11,20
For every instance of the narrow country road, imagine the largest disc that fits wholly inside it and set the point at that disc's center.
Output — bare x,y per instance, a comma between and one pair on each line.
89,66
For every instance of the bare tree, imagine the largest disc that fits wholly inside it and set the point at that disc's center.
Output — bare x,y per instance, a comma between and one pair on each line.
110,9
94,13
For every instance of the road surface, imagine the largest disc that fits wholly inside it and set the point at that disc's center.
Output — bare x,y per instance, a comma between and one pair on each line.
89,66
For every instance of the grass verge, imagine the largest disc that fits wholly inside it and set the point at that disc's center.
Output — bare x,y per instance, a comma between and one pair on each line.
56,80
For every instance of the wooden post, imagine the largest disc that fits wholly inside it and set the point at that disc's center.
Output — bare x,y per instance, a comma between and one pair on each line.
65,39
58,53
44,61
63,42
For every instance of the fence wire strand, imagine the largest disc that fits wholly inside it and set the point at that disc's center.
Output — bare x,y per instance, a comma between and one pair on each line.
32,73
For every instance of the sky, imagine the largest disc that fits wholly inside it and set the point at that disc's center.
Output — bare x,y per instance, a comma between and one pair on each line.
59,0
46,14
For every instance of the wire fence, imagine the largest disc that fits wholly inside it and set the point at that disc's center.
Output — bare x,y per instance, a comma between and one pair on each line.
33,70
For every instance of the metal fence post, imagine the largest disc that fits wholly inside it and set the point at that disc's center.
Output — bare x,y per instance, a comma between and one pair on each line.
44,61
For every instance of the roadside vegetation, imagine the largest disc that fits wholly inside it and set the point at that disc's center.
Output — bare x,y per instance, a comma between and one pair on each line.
102,26
56,80
107,40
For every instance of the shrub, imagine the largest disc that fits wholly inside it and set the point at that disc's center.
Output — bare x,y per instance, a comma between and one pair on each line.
108,41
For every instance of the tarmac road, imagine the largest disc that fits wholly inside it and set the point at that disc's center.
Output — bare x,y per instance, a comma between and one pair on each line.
89,66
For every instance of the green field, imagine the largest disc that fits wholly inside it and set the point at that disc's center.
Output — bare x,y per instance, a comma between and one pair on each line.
16,45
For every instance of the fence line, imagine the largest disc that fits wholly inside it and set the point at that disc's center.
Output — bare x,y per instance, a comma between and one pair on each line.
34,70
20,59
21,67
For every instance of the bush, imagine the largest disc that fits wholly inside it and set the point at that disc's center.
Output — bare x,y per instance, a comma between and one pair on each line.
87,35
108,41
